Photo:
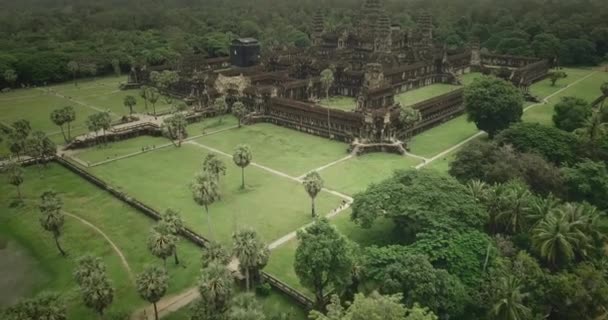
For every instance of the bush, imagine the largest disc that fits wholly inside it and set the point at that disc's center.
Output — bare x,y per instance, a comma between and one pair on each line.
263,289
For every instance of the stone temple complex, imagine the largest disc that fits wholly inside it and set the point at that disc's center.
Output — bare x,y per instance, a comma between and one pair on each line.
372,63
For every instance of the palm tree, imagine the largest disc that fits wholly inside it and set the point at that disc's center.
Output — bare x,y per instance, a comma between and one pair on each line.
242,157
250,251
205,191
313,183
130,102
161,242
173,222
245,306
14,175
239,111
215,286
509,299
540,208
52,219
594,129
59,119
516,206
556,238
604,89
220,107
152,285
327,79
153,96
214,166
477,189
143,93
214,252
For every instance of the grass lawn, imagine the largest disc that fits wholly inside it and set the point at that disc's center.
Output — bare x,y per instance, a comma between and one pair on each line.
279,148
127,228
587,89
120,148
443,164
340,102
355,174
124,147
270,204
418,95
437,139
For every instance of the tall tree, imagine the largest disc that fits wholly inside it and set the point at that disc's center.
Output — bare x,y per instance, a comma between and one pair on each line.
515,204
205,191
509,300
242,157
18,136
245,306
252,253
214,166
152,285
14,176
174,128
221,107
324,258
116,66
73,67
45,306
161,242
239,111
144,91
69,116
327,80
570,113
10,76
52,219
313,184
58,117
493,104
556,238
129,102
41,146
87,266
96,289
153,97
556,75
214,252
216,289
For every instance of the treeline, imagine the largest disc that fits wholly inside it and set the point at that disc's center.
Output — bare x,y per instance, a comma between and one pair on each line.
39,37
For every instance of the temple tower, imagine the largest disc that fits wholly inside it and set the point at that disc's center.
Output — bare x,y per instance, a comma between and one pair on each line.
318,27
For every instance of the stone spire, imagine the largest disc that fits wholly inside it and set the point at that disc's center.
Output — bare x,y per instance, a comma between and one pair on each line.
318,27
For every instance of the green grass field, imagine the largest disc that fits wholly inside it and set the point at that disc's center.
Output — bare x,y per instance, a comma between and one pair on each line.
279,148
271,204
127,228
355,174
36,104
418,95
340,102
439,138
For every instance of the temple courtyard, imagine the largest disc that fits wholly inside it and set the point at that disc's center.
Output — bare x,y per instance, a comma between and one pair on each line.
157,173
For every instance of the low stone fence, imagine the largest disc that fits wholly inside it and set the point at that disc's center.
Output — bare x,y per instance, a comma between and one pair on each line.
187,233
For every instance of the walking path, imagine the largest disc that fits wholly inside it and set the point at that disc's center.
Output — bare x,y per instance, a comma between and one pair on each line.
319,169
479,133
114,246
273,171
90,106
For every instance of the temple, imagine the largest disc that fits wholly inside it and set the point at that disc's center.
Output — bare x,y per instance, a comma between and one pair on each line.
371,63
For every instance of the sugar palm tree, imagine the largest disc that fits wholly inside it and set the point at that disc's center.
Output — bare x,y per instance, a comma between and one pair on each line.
215,286
556,238
205,191
161,243
327,80
143,93
14,173
152,285
313,184
509,301
239,111
250,251
214,252
130,102
242,157
214,166
52,219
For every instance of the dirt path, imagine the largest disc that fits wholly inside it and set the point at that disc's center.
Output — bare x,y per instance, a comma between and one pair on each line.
114,246
467,140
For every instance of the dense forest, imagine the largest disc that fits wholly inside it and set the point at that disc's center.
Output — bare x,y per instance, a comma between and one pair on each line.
38,38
